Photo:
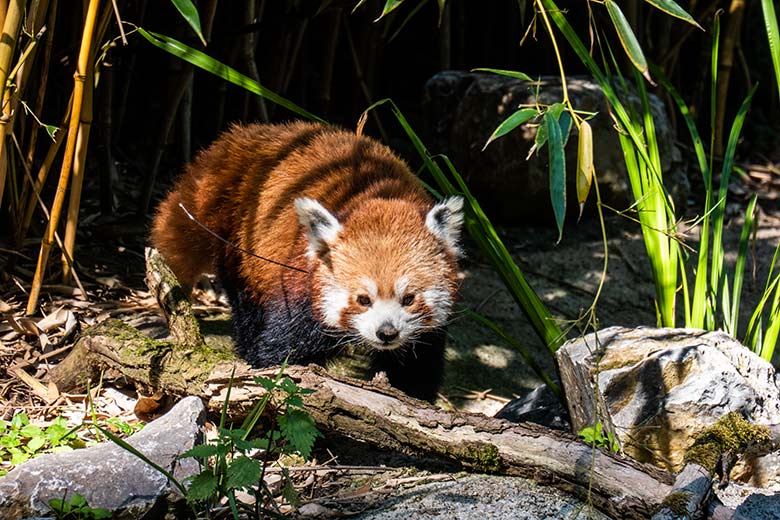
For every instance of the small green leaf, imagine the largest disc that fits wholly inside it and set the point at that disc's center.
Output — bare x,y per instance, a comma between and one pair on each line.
242,472
203,486
265,382
288,385
52,131
510,123
298,428
19,421
35,444
510,73
190,13
200,451
627,38
390,6
670,7
31,431
289,492
557,170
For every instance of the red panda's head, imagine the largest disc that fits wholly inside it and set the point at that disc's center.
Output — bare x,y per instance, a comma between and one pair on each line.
388,272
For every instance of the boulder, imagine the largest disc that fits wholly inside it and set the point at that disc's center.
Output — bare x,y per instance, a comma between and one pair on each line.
657,388
108,476
462,109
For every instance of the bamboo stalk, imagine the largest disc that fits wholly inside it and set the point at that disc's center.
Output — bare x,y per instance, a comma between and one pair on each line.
82,143
78,98
11,25
3,11
42,79
726,63
77,175
33,194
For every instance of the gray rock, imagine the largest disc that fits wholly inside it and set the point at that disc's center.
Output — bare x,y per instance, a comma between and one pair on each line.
657,388
107,475
462,110
484,497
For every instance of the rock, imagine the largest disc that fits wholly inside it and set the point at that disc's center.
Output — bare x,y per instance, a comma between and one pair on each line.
462,110
539,406
485,497
107,475
657,388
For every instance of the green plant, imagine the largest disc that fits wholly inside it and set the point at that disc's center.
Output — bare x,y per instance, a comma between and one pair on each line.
594,435
20,440
76,508
227,466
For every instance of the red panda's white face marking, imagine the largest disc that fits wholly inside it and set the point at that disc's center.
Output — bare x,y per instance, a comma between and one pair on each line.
388,273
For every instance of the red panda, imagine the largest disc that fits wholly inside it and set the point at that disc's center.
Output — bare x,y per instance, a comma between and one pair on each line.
368,257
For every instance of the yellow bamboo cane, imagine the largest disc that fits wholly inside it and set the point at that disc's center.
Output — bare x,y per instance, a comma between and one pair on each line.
70,146
11,25
80,158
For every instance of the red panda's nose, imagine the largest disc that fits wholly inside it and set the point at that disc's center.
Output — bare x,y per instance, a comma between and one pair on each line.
386,333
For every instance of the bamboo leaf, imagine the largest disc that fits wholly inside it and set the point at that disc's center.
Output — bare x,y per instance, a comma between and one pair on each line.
390,6
584,163
217,68
502,72
773,35
739,268
627,38
510,123
670,7
557,170
190,14
541,134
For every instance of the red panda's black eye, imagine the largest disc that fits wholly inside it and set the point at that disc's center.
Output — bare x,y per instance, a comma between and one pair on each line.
408,300
364,300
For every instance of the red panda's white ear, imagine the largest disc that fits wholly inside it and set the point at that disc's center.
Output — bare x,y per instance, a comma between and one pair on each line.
321,226
445,220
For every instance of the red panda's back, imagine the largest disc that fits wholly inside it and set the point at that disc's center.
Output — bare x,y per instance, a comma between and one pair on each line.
243,187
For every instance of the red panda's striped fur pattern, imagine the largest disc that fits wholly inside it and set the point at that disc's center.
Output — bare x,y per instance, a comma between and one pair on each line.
380,257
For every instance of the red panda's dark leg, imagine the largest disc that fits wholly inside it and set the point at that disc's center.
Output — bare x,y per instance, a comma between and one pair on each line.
266,336
416,369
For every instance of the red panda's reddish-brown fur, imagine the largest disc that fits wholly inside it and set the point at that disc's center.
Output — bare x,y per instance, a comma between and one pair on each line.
244,188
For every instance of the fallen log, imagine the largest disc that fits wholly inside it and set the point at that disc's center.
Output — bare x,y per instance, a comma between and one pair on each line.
374,413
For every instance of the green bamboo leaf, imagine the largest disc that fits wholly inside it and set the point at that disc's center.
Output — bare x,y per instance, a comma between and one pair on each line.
357,5
557,170
510,73
510,123
541,134
217,68
773,35
627,38
190,14
390,6
739,268
670,7
584,163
